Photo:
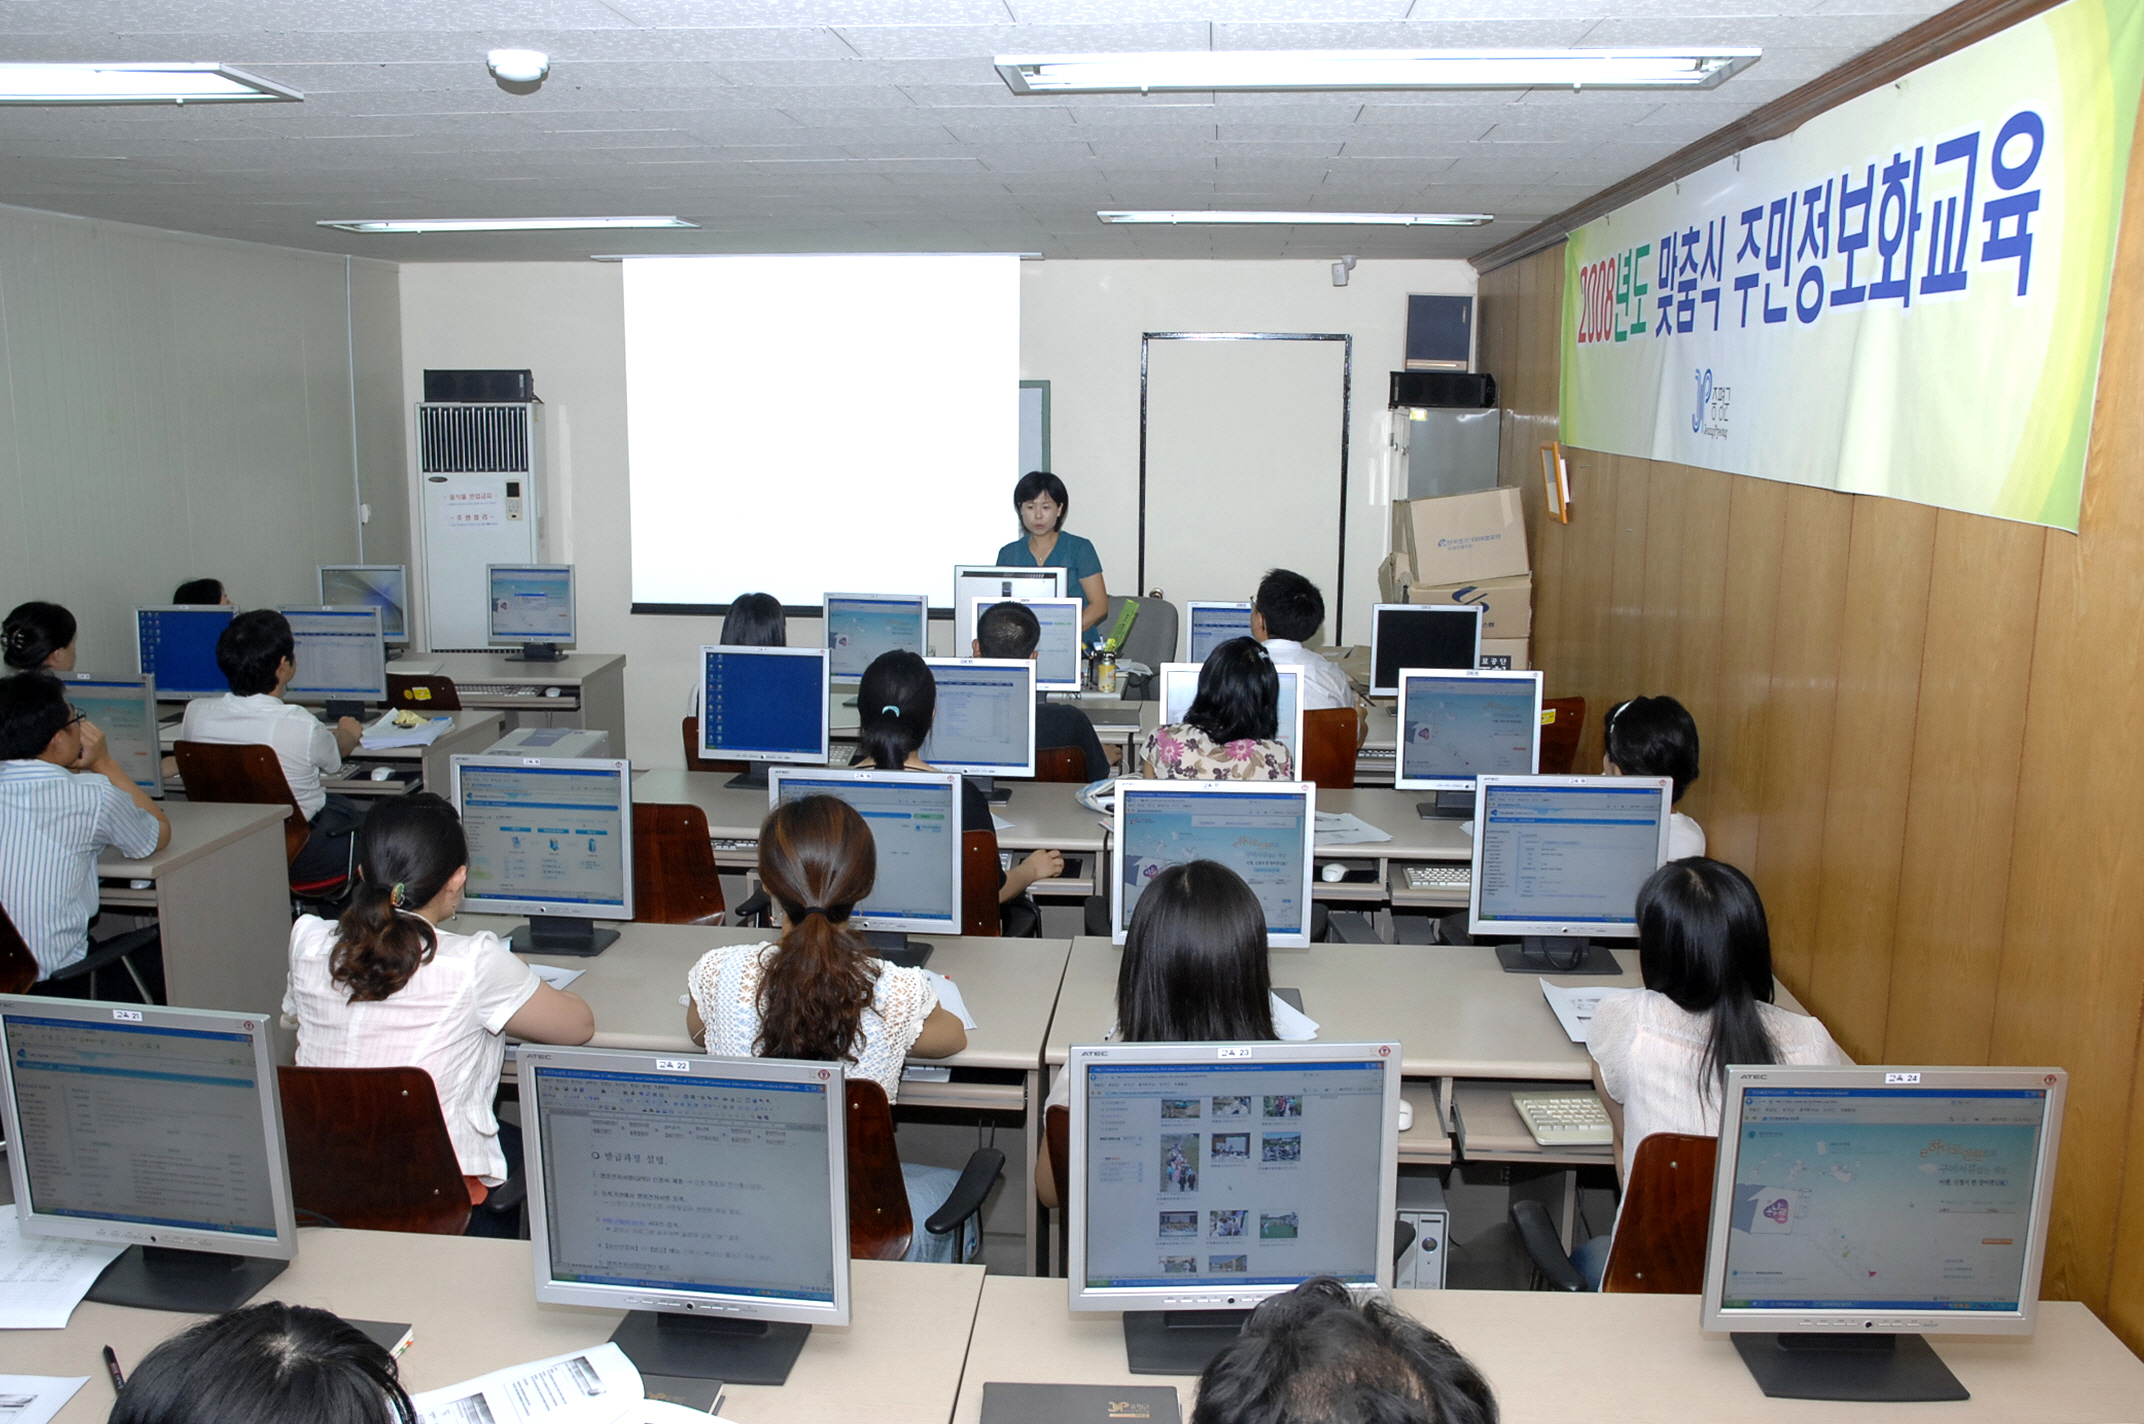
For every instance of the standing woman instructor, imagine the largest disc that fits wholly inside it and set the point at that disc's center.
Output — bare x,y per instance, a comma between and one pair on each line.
1041,499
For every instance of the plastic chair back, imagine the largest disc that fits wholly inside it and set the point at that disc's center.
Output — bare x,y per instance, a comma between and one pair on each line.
242,776
979,884
674,877
369,1150
422,692
1659,1246
18,967
1563,721
880,1227
1061,764
1328,750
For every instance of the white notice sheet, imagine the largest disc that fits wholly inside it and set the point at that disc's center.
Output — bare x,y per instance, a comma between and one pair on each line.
43,1280
35,1399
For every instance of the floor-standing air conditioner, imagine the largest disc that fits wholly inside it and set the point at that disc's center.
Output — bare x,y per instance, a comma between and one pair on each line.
480,473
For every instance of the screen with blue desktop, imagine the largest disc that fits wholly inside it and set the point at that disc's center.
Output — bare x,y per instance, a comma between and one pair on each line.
763,704
177,647
381,586
339,652
531,603
1208,625
861,626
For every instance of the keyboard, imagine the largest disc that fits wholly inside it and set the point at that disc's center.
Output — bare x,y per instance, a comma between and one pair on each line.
1563,1119
348,771
499,689
1437,877
1376,754
732,843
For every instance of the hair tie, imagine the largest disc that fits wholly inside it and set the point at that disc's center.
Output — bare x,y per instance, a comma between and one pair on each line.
394,896
889,707
834,915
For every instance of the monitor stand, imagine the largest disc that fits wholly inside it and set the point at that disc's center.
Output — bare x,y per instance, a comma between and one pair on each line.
536,653
897,948
993,793
395,650
752,778
563,935
706,1347
1880,1368
190,1282
1554,954
1449,806
1178,1342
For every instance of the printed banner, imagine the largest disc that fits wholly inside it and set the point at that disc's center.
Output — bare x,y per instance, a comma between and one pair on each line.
1904,297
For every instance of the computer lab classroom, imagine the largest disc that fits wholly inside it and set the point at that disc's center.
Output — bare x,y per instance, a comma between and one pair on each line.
1783,361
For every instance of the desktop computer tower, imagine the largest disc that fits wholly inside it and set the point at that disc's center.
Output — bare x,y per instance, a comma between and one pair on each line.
1421,1204
480,487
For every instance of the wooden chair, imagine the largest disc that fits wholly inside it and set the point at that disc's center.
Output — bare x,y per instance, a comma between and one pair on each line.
1061,764
1659,1246
1563,720
1057,1133
880,1226
1330,735
18,967
674,877
694,761
422,692
979,884
251,776
369,1150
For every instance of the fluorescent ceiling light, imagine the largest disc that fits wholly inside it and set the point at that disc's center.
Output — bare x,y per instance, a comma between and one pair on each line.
161,82
1700,68
496,224
1305,219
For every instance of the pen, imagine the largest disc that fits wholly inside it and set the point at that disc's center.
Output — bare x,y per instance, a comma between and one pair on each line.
111,1366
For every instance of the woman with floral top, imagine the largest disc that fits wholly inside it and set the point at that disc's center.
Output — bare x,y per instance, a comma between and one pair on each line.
1231,731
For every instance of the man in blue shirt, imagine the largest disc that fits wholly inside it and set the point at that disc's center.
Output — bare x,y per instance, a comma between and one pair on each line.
1043,503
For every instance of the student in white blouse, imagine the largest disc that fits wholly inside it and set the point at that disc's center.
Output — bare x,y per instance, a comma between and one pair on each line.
1657,736
387,988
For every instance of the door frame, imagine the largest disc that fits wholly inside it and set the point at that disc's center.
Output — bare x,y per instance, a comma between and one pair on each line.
1338,601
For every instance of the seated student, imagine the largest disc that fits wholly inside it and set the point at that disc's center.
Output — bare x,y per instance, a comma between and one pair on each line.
38,636
755,620
385,987
1194,971
204,592
1230,731
819,993
256,655
1287,609
895,703
63,799
1657,736
1011,630
263,1362
1313,1356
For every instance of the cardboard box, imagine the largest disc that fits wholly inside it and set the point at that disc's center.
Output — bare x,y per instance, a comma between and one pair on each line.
1394,576
1507,604
1462,538
1512,650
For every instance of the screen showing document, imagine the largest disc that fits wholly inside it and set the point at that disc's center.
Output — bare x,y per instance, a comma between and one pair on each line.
532,603
1179,689
1257,834
1057,655
1213,624
550,834
1569,853
985,720
858,630
916,827
340,652
122,711
1455,729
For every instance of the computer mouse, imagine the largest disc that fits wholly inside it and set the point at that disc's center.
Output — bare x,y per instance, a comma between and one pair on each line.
1406,1115
383,773
552,691
1334,872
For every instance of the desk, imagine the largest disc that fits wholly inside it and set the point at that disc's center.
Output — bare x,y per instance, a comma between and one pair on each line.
591,688
472,731
1554,1358
473,1303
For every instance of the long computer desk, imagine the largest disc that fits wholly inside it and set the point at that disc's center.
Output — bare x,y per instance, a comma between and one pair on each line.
473,1303
472,731
590,688
1555,1358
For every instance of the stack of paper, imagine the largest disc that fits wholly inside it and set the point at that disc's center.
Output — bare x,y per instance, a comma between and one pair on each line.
43,1280
596,1386
1574,1007
384,735
1345,828
950,999
35,1399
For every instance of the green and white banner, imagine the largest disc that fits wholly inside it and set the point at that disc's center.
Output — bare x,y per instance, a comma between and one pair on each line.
1904,297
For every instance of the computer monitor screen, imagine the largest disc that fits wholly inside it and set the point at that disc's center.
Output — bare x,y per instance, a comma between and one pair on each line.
381,586
1565,855
1420,635
339,652
985,722
1208,625
687,1185
547,837
1180,688
531,603
915,823
860,626
763,704
1057,653
124,709
997,583
176,645
1455,726
1209,1176
1260,829
153,1126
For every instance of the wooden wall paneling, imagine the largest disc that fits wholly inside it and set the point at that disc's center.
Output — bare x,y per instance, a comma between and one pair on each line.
1728,800
1588,587
1954,865
1691,673
1666,546
1890,551
2124,1308
1620,658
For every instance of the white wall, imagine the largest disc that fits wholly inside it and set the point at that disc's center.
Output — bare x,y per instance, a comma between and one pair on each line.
1080,329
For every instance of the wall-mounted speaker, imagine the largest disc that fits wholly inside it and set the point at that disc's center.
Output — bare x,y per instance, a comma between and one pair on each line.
1440,333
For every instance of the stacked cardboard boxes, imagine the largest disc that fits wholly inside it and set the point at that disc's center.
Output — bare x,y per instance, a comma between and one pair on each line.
1466,548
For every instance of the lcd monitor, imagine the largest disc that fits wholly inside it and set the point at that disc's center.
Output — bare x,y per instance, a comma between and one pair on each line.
1180,688
996,583
176,645
985,723
124,709
340,653
1558,861
1208,625
1260,829
1206,1177
861,626
914,818
1854,1209
381,586
760,705
158,1128
1057,653
707,1197
1458,724
550,838
531,608
1420,635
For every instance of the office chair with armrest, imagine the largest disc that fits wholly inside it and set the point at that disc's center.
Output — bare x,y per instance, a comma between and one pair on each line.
981,916
880,1226
1061,764
422,692
694,761
1152,641
1328,751
674,877
1659,1246
252,776
1559,737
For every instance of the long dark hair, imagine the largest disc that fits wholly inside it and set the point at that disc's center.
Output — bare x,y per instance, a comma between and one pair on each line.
1653,736
1703,942
409,849
817,859
1194,967
33,633
1239,693
895,703
755,621
266,1364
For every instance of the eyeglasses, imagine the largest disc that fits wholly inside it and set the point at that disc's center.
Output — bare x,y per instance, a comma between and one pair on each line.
76,720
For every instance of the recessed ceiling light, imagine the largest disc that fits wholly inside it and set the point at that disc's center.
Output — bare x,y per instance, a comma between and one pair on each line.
495,224
1701,68
158,82
1307,219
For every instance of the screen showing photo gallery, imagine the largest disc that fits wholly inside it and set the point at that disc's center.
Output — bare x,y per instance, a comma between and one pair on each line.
1225,1174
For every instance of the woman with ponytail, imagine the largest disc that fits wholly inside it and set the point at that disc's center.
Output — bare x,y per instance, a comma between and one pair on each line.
38,636
819,993
386,987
